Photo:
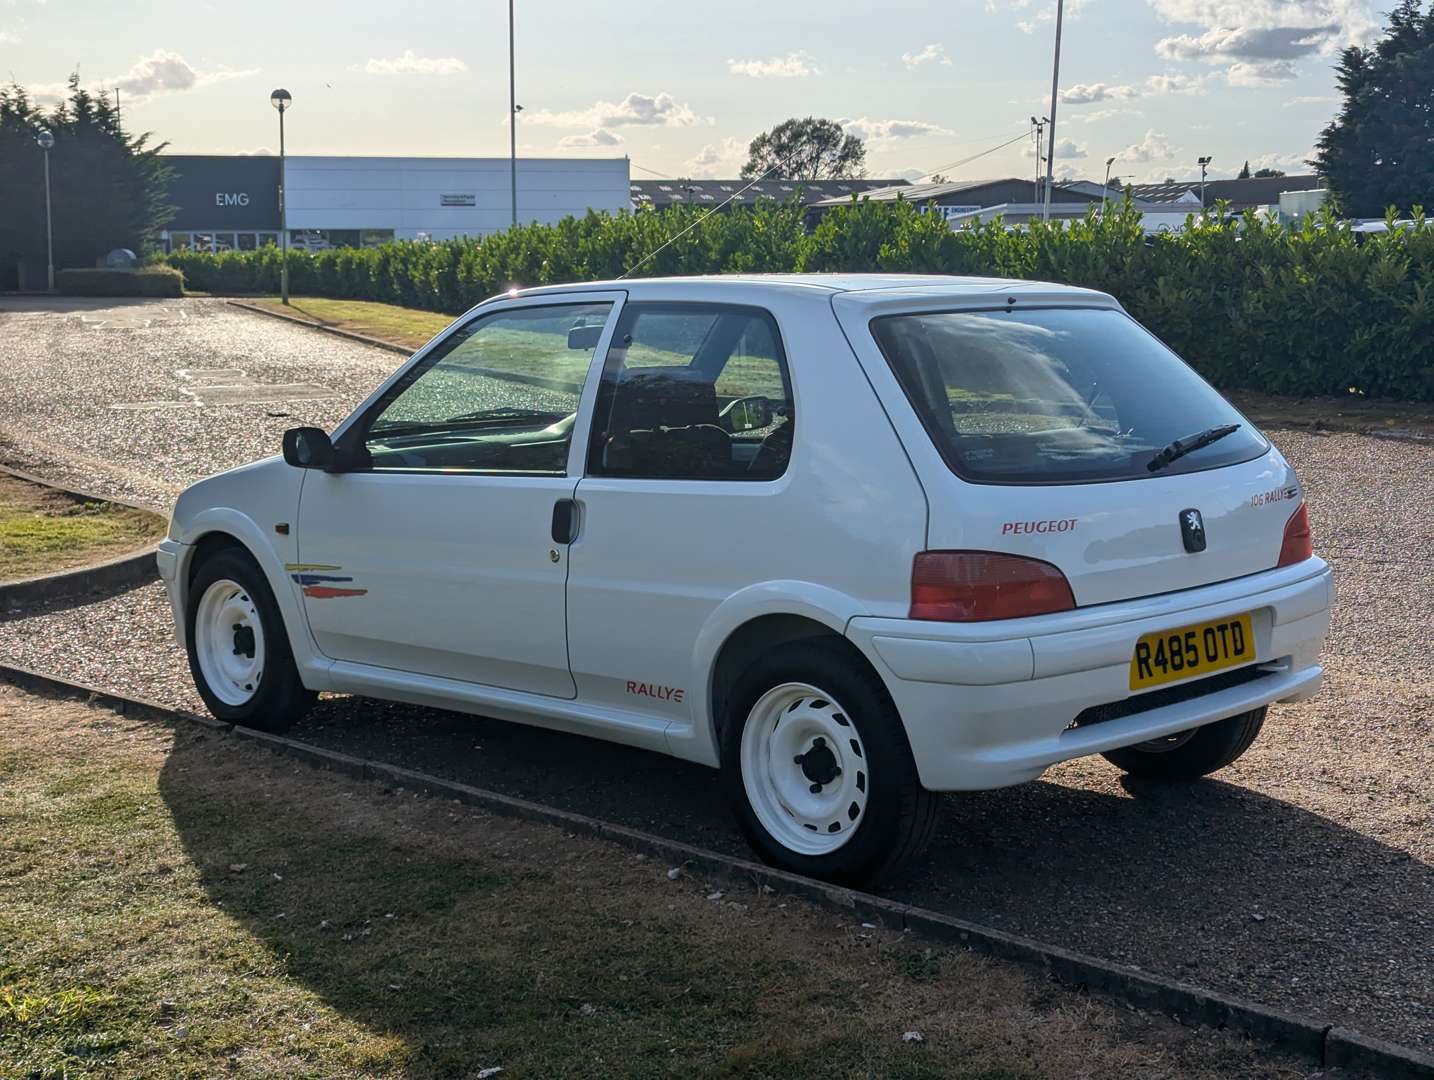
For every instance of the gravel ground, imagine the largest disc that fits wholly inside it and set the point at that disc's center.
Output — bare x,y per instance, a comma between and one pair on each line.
1302,876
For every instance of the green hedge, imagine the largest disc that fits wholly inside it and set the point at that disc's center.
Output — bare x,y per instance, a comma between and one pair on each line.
150,281
1250,303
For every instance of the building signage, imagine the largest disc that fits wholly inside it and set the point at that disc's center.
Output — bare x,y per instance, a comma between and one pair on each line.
457,200
215,194
949,212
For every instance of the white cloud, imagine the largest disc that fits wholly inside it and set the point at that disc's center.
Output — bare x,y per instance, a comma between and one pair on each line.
8,38
935,53
1260,40
718,160
795,65
1175,83
634,110
408,63
1043,13
1154,147
882,130
600,137
1066,149
1290,163
161,72
1098,115
1086,93
1261,73
1312,99
912,174
165,72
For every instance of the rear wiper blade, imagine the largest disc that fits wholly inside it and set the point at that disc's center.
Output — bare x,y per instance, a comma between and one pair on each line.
1189,444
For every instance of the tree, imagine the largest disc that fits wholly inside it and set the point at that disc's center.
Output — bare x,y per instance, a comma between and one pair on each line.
1244,173
809,149
1269,172
1379,151
107,188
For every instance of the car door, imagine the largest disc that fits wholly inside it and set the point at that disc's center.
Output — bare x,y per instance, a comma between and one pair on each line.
436,555
679,497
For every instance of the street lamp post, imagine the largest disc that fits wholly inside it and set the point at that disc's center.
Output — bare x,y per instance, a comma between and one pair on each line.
281,100
512,117
46,140
1055,93
1204,164
1105,187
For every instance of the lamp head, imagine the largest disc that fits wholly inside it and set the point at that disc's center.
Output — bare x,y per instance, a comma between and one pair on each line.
46,139
281,99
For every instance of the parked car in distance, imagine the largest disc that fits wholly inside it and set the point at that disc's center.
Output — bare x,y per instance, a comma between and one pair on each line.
854,540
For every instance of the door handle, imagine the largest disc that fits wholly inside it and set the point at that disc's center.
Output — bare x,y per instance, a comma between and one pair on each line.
565,521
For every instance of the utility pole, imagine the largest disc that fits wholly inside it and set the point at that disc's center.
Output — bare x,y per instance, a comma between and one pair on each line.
1039,125
1055,94
118,117
512,116
1204,164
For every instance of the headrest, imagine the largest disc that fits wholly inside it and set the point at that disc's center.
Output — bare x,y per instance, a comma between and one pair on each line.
651,397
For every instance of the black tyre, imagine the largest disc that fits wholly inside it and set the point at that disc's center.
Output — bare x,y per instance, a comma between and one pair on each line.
239,652
1191,754
818,769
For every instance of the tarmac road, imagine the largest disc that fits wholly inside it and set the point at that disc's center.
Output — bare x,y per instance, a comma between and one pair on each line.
1301,877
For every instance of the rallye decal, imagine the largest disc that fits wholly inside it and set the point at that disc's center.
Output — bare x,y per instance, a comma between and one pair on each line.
321,586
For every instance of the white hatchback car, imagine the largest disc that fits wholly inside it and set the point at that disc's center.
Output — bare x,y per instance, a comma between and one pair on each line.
852,539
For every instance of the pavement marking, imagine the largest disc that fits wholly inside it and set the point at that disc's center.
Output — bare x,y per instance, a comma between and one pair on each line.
230,386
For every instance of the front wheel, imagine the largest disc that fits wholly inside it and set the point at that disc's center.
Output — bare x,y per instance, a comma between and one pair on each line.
818,768
238,651
1188,755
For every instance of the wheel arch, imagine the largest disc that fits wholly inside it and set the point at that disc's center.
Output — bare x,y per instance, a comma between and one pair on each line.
226,529
741,629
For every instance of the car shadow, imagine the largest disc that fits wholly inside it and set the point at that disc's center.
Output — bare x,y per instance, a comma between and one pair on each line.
1208,882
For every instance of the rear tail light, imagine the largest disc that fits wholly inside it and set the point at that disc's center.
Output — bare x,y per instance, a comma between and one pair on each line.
1299,540
973,586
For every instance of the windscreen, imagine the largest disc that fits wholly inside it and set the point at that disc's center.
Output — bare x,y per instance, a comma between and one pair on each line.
1057,396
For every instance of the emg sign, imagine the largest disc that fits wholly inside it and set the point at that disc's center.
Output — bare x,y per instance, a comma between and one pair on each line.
211,193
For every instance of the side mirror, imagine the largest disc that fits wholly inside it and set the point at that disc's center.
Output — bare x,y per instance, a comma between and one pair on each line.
746,414
308,448
584,337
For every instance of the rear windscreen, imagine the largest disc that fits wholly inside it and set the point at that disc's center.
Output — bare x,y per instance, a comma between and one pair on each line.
1056,395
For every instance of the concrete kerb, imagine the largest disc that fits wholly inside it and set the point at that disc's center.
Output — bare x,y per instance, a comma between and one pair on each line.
1314,1040
377,343
109,576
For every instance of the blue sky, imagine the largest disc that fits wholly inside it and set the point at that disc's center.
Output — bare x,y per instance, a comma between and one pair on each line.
681,89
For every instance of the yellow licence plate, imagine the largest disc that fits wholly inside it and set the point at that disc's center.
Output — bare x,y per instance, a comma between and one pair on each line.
1188,651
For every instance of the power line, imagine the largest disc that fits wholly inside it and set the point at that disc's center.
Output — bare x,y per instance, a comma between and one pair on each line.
974,157
654,172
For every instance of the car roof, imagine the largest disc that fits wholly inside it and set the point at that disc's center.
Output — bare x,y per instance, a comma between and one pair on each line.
876,284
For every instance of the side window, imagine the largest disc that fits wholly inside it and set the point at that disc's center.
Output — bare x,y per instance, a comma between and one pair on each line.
498,395
693,392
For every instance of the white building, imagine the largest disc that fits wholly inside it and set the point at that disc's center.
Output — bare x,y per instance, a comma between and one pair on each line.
231,203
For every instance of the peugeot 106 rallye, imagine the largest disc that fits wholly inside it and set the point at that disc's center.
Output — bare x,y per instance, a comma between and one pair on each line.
854,540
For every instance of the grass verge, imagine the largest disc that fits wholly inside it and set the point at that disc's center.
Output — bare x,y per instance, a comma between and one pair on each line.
411,328
408,327
177,904
43,530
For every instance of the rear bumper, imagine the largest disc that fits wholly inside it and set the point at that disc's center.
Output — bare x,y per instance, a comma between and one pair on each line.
991,704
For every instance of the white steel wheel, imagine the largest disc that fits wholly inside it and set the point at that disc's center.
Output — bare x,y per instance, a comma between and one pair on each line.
804,769
229,642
